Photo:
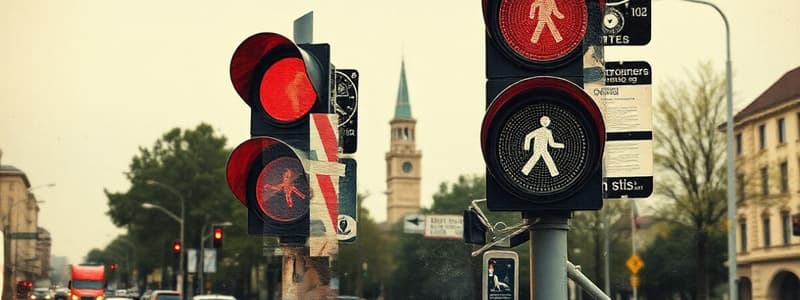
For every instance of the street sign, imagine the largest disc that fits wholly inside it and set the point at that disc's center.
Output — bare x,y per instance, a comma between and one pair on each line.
635,281
210,260
414,224
444,226
347,227
24,235
345,104
628,157
627,23
634,264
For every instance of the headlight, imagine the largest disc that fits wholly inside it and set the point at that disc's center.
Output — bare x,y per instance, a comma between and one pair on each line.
74,297
33,296
47,297
99,297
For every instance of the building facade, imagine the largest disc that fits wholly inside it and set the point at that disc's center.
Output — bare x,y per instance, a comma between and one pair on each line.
43,251
767,137
19,213
403,168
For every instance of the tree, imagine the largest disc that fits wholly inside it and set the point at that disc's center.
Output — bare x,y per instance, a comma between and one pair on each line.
363,267
665,274
690,152
587,237
192,161
445,269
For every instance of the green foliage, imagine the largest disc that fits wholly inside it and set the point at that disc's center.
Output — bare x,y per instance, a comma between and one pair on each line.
445,269
670,258
690,155
192,161
364,266
587,237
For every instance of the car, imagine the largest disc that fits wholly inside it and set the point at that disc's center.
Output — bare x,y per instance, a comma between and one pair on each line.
146,295
41,293
121,293
165,295
61,294
213,297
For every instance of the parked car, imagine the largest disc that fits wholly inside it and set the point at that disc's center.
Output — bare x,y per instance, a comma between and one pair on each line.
62,294
165,295
41,294
213,297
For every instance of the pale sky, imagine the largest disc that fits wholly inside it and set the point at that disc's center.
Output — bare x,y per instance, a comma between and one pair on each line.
86,83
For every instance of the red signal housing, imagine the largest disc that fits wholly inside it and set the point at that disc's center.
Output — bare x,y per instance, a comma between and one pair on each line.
217,236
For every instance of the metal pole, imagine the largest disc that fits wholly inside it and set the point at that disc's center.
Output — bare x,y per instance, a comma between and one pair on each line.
581,281
607,255
183,247
201,260
730,161
549,258
633,242
304,29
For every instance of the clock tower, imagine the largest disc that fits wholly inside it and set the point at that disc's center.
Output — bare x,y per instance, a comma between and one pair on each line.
403,167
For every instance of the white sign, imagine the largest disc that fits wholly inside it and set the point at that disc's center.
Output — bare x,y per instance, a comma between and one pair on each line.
444,226
628,158
191,260
209,260
414,224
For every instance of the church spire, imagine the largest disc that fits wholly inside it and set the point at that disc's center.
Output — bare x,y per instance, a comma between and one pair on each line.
402,109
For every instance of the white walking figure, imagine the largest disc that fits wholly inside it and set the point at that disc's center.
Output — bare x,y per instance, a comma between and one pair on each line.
542,138
546,9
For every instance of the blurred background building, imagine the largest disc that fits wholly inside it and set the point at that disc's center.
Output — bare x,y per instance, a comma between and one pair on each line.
767,134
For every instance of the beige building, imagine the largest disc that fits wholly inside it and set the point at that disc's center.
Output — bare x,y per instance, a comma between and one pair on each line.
19,215
403,167
43,251
767,135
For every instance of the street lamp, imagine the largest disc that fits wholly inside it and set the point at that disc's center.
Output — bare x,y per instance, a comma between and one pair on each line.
202,254
730,163
180,221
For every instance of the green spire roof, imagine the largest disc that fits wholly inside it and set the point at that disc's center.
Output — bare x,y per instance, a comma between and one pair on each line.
402,109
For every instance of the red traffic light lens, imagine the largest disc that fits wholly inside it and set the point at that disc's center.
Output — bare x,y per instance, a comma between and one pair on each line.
285,92
542,30
282,189
217,233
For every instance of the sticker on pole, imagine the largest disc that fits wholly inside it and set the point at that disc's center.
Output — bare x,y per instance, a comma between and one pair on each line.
627,23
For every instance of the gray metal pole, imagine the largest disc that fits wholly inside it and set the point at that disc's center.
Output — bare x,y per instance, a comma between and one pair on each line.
549,258
201,261
304,29
731,166
607,255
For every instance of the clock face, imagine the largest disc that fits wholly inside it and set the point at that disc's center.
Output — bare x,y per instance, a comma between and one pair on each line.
407,167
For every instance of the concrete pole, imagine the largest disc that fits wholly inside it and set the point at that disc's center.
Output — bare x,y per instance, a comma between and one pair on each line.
549,258
293,266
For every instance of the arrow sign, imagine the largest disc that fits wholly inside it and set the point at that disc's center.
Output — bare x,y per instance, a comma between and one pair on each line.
414,224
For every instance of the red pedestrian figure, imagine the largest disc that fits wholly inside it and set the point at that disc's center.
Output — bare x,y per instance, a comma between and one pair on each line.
288,188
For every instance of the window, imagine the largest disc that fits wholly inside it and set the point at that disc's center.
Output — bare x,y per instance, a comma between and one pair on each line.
740,187
762,137
786,220
739,144
784,177
765,225
764,181
743,235
781,131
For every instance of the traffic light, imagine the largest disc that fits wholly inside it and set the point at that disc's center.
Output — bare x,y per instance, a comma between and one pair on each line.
177,247
112,266
796,224
283,84
217,236
542,136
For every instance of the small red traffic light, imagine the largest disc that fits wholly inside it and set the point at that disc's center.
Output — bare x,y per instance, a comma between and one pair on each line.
177,247
218,233
113,266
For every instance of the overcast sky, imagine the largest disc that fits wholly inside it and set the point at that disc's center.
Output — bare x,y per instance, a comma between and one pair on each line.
84,84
